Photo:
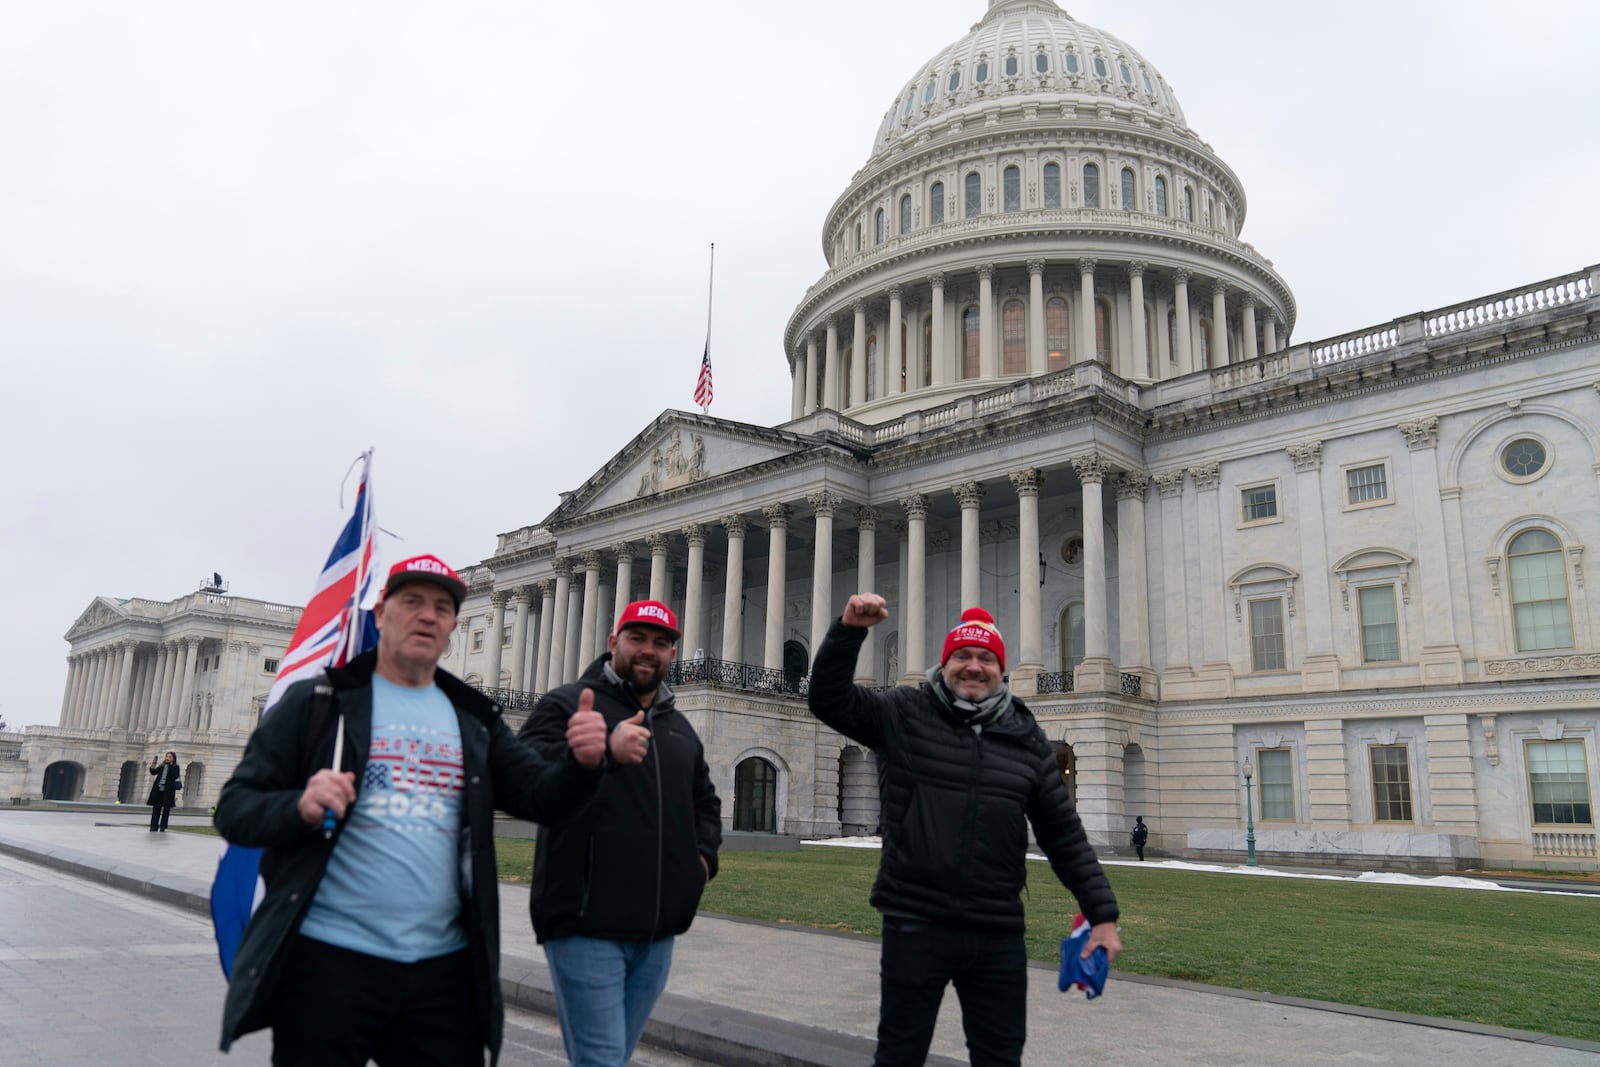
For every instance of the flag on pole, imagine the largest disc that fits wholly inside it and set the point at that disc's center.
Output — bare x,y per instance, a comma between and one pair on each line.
702,386
335,626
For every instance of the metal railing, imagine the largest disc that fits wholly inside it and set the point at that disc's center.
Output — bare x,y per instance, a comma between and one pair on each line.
712,671
510,699
1054,682
1132,685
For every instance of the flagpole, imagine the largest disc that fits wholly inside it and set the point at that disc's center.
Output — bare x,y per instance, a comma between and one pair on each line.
352,619
711,279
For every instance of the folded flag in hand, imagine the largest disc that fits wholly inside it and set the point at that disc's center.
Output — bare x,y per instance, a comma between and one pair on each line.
1089,974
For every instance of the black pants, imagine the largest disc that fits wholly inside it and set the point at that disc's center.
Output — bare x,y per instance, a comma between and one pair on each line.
1140,850
990,972
338,1008
159,814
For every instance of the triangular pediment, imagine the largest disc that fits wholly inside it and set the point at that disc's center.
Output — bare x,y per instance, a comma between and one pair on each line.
677,451
100,613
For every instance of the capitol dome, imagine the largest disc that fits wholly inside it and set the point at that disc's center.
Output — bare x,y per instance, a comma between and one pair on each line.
1034,199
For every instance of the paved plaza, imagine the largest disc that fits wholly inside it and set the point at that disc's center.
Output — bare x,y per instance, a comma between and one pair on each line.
105,956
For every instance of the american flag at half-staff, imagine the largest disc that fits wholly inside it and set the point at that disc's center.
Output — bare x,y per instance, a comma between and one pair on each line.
702,385
335,627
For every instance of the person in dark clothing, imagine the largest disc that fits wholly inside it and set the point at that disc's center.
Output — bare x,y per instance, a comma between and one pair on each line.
1141,834
963,769
380,937
164,790
615,884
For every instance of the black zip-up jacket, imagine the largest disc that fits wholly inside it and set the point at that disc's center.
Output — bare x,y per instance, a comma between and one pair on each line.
259,808
627,867
956,802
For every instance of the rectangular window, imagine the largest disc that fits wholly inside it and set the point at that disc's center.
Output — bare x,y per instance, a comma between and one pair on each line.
505,637
1558,780
269,666
1260,502
1380,627
1364,485
1391,783
1277,783
477,641
1266,635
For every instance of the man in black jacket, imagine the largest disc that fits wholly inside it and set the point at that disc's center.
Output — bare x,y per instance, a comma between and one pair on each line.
963,768
613,886
380,937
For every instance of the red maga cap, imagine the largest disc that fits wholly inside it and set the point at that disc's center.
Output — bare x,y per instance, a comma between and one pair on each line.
649,613
978,630
429,569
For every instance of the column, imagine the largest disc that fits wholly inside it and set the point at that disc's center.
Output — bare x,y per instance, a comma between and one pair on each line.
172,681
693,592
495,638
1450,777
811,375
858,358
1029,658
1133,602
1038,357
830,371
660,577
1441,651
866,581
1321,667
1136,320
624,551
571,668
76,667
777,516
519,636
109,688
1272,332
1219,323
542,679
1096,672
66,690
1174,579
824,504
557,671
970,496
733,590
916,595
937,361
141,686
1247,325
1207,548
1086,345
797,399
890,359
988,361
80,691
589,563
1181,329
191,653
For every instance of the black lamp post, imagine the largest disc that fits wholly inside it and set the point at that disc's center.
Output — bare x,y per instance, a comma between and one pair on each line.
1249,817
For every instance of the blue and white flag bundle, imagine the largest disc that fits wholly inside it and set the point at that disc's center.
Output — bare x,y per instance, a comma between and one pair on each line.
1089,974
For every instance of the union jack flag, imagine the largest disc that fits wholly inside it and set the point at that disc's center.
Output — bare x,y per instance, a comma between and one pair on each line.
335,627
702,386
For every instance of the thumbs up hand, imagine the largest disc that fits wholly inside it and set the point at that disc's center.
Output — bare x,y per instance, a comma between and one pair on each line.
586,732
630,741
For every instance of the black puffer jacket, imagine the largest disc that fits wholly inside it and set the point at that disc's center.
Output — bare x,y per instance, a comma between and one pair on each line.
956,803
628,866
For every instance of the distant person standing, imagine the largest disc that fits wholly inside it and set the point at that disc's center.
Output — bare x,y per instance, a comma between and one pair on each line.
164,790
1141,834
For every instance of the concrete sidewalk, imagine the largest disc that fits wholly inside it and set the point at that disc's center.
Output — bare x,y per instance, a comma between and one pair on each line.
759,993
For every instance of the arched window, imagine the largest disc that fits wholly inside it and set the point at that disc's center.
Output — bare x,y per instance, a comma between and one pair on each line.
1041,62
927,350
1122,69
1052,185
1012,67
1013,189
1071,635
974,195
1091,185
858,237
933,87
981,75
755,797
1129,197
1161,196
936,204
872,366
1099,66
955,81
905,214
1538,574
1204,358
877,227
1071,61
1013,338
1102,331
1057,332
1172,335
1188,204
911,99
847,358
970,320
905,349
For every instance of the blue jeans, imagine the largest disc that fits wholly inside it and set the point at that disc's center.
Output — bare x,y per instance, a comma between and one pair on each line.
604,993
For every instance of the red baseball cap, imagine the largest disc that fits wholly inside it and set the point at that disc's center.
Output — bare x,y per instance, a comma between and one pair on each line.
429,569
649,613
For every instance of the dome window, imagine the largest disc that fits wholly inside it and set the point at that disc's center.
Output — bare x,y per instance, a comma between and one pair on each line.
971,366
981,75
1188,204
1099,66
877,227
974,203
1052,185
1091,185
933,87
1041,62
1072,62
1127,75
955,80
1012,66
1129,196
936,204
1161,196
911,98
1013,189
905,214
1150,90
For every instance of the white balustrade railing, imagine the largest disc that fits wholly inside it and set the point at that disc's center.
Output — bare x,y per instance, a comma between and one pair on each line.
1506,306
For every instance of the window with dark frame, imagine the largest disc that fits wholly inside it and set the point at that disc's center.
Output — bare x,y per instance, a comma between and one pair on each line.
1391,783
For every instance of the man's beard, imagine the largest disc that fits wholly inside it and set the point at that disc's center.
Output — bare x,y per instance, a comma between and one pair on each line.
645,678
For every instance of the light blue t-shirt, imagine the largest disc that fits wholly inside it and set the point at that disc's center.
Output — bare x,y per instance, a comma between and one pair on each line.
392,887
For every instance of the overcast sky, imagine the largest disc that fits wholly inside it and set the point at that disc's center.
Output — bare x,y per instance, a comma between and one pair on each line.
241,242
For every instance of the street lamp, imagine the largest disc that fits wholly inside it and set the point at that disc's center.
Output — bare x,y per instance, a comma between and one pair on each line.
1249,817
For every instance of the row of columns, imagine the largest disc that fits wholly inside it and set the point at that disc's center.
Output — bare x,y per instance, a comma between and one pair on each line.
115,687
572,627
818,380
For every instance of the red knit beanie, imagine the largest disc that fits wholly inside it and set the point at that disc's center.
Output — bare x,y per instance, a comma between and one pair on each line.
977,629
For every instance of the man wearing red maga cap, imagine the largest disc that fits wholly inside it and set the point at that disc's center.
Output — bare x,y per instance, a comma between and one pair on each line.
380,938
615,884
963,769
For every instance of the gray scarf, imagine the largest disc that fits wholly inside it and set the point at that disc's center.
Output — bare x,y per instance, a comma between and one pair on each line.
976,715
